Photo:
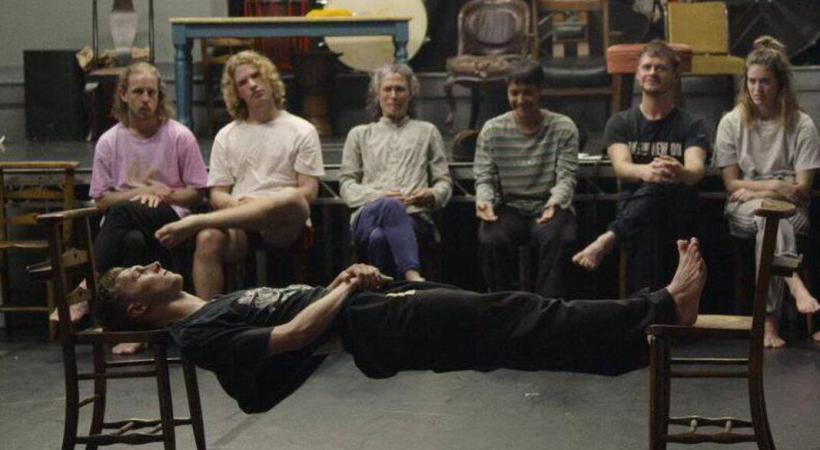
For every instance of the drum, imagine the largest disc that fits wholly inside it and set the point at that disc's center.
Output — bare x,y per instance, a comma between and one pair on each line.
368,52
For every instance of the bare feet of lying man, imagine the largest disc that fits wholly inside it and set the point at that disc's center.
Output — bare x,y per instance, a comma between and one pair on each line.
687,284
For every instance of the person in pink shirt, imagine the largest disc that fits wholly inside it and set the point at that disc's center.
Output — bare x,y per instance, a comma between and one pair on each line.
148,171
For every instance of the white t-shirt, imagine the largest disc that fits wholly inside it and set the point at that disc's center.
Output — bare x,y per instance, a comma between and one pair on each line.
259,159
767,151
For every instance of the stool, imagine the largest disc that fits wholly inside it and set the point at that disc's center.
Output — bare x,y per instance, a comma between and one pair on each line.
622,63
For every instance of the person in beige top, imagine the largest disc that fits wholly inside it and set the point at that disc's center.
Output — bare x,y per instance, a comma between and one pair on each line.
394,173
263,173
768,148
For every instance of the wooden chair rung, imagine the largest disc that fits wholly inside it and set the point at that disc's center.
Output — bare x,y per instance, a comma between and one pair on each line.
708,374
785,265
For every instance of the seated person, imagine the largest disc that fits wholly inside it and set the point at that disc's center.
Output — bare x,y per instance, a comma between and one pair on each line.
768,148
147,172
658,152
263,343
263,152
394,173
526,163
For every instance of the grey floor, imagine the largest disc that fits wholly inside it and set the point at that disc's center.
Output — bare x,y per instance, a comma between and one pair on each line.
338,408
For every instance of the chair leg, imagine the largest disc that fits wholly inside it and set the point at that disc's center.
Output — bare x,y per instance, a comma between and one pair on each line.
166,407
757,407
658,392
72,399
194,404
475,102
100,385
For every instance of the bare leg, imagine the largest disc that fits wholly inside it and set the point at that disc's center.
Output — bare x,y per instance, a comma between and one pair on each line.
214,248
128,348
771,336
806,303
278,217
687,284
591,256
816,336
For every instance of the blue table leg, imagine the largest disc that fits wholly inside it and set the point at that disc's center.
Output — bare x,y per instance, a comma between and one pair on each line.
400,38
183,77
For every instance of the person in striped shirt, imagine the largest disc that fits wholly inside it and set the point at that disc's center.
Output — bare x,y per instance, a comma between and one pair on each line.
525,168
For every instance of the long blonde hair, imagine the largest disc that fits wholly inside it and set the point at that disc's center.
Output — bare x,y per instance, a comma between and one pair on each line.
770,53
236,107
120,109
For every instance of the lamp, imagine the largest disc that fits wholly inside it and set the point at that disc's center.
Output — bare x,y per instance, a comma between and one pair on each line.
123,21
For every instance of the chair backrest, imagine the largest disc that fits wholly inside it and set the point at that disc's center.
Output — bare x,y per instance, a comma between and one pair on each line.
576,17
702,26
772,211
70,266
52,189
494,27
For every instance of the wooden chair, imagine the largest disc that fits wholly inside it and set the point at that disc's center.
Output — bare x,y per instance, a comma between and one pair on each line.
562,25
215,53
492,35
80,266
20,202
748,328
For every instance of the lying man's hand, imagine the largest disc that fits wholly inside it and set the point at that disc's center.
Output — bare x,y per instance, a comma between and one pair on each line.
359,277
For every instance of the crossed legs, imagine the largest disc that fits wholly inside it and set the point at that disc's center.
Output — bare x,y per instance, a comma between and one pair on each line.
221,235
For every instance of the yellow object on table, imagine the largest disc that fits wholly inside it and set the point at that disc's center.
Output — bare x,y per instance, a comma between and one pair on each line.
330,13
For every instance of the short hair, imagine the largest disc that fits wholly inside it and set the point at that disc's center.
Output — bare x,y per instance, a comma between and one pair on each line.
769,53
527,72
235,106
111,306
376,78
660,49
120,109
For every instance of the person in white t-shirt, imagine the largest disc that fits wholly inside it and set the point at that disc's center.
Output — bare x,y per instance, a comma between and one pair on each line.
768,148
264,172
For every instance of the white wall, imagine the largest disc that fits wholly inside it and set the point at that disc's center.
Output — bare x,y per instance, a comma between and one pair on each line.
66,24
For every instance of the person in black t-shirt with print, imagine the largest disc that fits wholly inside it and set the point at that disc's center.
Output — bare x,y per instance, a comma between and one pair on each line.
658,152
264,343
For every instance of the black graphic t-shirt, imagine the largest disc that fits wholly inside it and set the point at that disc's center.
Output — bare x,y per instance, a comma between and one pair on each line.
647,139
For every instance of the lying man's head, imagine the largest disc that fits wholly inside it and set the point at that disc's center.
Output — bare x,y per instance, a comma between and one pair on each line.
127,297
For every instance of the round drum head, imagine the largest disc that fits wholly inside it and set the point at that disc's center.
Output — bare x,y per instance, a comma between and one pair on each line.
368,52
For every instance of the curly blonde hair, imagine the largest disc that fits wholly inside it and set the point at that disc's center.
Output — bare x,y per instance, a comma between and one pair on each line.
236,107
769,53
120,108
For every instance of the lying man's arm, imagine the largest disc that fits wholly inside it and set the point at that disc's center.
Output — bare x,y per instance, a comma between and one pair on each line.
314,320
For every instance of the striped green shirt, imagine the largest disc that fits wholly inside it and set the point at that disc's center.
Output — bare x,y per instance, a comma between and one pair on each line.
530,173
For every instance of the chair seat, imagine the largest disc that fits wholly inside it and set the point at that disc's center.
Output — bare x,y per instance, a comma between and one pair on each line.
716,65
575,71
708,325
623,58
481,67
23,245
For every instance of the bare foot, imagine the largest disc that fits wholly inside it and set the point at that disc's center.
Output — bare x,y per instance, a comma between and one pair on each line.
771,337
816,336
687,284
128,348
76,311
174,233
413,275
806,303
591,256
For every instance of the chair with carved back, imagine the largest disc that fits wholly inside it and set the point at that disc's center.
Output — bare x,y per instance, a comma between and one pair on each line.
492,35
26,189
64,271
746,328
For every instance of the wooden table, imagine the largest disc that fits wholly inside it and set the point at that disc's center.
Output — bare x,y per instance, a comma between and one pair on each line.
185,29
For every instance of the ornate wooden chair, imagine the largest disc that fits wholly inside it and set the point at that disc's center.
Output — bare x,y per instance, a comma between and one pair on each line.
79,265
492,35
748,328
19,206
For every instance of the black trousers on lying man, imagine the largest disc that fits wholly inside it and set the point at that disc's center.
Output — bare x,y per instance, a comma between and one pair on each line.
264,343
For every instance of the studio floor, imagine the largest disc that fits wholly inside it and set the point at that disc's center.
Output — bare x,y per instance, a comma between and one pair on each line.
339,408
